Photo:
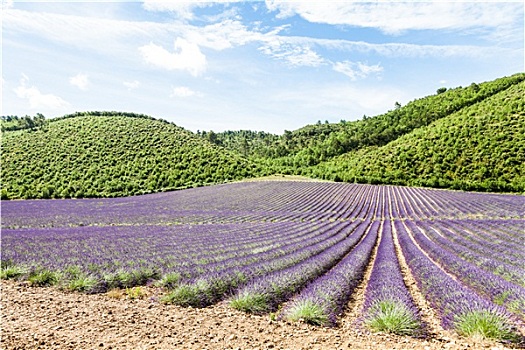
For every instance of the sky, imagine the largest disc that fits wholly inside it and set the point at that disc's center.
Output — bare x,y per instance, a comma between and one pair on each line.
254,65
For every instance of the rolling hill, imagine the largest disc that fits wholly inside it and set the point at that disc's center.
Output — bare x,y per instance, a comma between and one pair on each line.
313,144
468,138
110,154
480,147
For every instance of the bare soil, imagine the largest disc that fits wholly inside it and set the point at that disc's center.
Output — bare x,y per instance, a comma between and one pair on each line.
48,318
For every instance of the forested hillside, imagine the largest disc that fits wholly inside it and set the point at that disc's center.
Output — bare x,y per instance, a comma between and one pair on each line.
106,155
316,143
481,147
469,138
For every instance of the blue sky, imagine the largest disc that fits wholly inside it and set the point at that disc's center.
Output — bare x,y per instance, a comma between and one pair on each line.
259,65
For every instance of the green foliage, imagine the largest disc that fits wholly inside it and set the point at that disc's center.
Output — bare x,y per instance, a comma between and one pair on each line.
128,279
250,302
309,312
313,144
248,143
184,295
468,138
135,292
391,317
81,283
485,325
13,122
101,154
12,272
170,280
479,148
44,277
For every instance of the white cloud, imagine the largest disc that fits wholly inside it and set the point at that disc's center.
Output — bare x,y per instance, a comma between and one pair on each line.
181,91
118,37
80,80
395,17
106,36
182,9
187,56
295,55
131,84
398,49
36,99
7,4
222,35
355,70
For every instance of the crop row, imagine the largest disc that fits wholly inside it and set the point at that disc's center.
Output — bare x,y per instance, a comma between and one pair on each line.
299,247
458,305
257,202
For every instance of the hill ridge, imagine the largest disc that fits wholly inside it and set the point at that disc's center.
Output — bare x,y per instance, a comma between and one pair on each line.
107,154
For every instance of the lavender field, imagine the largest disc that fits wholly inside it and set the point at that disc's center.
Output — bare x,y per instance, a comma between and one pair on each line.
305,245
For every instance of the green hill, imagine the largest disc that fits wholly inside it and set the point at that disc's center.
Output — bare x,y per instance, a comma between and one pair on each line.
480,147
296,150
469,138
110,154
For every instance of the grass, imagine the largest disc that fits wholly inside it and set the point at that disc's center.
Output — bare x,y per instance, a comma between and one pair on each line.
184,295
485,324
12,271
128,279
170,280
392,317
44,277
250,302
135,293
81,283
309,312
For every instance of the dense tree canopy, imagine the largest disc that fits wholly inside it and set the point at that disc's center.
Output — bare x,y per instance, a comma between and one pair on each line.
481,147
112,155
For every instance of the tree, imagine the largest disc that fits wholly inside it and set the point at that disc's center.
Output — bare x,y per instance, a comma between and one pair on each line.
212,137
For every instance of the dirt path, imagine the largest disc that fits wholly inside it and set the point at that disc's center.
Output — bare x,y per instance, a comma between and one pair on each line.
47,318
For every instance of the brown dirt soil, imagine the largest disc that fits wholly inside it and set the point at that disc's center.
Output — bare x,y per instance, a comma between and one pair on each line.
47,318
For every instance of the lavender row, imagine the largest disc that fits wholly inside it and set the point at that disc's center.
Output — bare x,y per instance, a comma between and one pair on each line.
93,254
493,287
88,244
486,256
496,234
321,301
261,202
451,299
111,248
206,290
310,236
265,293
388,304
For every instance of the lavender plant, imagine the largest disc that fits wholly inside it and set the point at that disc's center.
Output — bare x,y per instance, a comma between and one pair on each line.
321,301
204,291
270,290
388,305
511,296
452,300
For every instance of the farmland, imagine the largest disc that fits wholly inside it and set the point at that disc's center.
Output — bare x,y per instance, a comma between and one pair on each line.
292,250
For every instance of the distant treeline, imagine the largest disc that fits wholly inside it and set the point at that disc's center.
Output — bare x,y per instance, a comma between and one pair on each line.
13,122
